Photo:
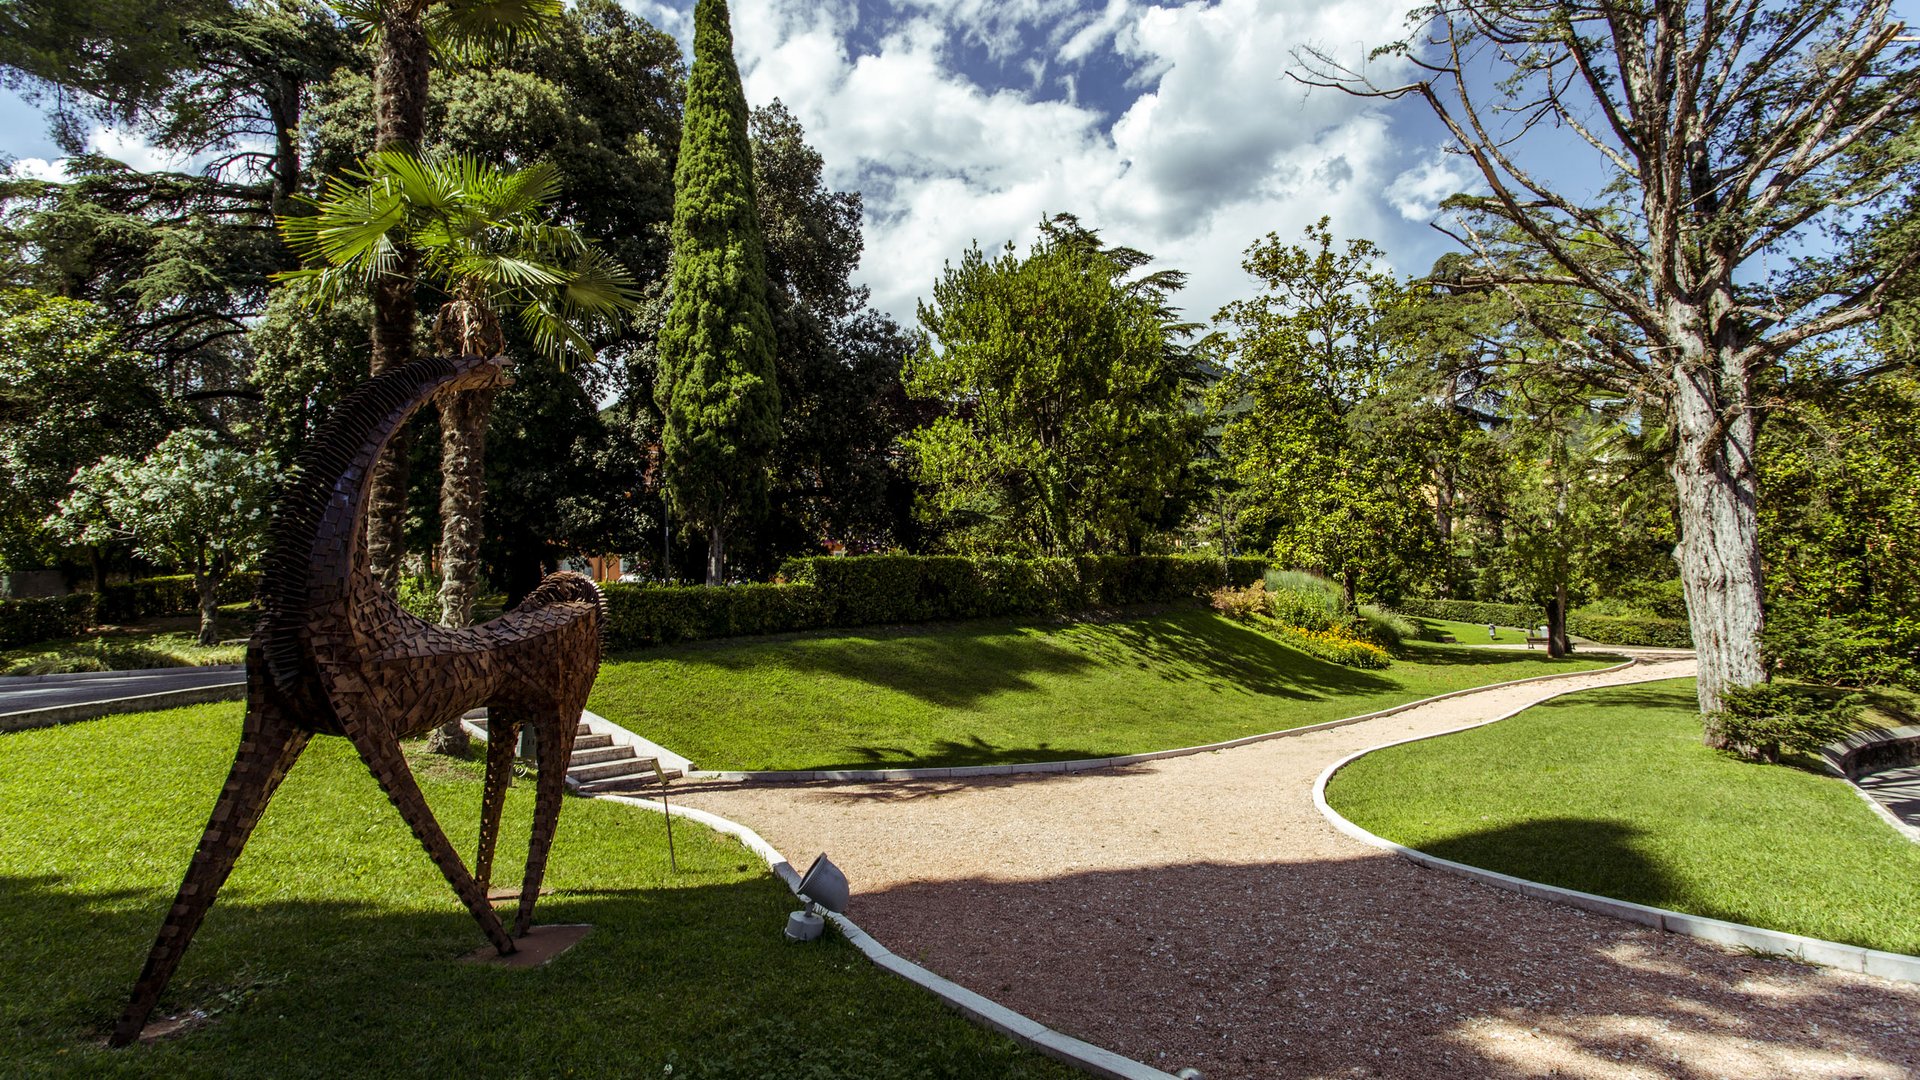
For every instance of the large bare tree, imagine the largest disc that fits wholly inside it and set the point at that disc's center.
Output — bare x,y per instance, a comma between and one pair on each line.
1695,173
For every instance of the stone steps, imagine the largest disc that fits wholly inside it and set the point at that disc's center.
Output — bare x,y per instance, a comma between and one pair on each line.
598,764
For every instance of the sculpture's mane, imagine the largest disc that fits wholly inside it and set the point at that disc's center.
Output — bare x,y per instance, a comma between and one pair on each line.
360,423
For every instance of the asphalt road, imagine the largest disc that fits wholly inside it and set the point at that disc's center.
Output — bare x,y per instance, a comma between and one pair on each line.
47,691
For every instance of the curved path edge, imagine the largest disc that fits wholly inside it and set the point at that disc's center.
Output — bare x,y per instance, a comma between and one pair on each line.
1899,967
799,776
54,715
982,1010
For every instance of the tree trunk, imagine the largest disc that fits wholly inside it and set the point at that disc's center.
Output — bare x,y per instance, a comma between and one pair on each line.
1557,643
207,590
463,492
400,119
716,556
1351,592
1713,473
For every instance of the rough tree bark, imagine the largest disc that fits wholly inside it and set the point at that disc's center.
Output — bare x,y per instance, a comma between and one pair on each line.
463,489
400,120
716,555
207,591
1719,552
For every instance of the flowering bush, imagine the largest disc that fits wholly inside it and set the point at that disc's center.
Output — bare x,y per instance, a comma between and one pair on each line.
1337,645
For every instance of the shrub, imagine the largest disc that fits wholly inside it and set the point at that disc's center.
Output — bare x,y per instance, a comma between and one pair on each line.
1243,603
1384,627
420,596
1761,721
640,615
23,622
1847,651
1305,600
1336,645
1654,633
1475,611
172,594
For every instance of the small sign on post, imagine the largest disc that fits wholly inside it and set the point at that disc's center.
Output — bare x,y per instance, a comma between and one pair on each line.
666,811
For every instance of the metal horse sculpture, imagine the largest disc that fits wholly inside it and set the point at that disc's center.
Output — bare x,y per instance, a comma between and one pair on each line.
335,655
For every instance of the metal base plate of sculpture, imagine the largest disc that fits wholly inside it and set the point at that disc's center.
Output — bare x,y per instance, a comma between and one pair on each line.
334,654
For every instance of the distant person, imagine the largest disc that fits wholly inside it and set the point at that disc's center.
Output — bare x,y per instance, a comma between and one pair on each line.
1493,633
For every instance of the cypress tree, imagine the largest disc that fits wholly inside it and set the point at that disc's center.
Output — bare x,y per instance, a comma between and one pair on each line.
716,384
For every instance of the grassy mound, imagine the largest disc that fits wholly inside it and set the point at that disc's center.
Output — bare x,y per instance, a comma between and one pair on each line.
1611,792
332,950
1000,691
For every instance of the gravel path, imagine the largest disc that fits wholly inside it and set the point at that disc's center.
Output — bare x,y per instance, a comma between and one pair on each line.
1199,912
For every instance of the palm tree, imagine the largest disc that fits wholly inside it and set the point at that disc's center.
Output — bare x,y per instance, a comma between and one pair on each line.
408,37
483,236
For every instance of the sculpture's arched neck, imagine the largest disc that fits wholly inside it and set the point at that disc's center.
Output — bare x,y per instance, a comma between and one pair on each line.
317,589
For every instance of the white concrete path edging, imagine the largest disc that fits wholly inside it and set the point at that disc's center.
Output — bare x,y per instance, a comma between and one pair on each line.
862,776
1887,965
981,1010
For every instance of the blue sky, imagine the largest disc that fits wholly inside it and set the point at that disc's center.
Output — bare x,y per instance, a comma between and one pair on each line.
1168,126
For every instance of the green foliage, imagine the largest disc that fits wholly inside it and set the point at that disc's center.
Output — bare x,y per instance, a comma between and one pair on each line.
716,384
419,595
1654,633
640,616
191,504
23,622
905,588
1305,600
482,233
1840,530
1331,469
1761,721
866,590
1071,423
70,394
1384,627
171,594
1474,611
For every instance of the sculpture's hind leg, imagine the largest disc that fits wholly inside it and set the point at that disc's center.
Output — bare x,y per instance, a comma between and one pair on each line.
503,731
269,744
556,733
382,754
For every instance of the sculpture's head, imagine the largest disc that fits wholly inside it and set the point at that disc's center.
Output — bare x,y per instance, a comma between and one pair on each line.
481,373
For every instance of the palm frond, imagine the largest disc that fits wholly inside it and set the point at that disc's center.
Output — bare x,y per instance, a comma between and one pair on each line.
471,30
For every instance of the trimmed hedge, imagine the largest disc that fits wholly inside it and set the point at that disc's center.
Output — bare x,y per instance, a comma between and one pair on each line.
660,615
864,590
1608,630
169,595
23,622
1475,611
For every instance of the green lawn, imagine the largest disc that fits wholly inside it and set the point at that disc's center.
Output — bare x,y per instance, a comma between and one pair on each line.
999,691
333,950
1469,633
1611,792
157,644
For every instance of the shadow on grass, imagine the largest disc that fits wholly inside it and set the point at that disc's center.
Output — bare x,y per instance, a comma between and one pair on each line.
1664,696
1374,966
959,665
1576,853
346,988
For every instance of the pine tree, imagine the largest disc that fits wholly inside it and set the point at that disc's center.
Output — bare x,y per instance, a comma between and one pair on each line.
716,384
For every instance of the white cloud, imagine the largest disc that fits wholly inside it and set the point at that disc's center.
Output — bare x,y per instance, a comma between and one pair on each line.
1218,148
34,168
1418,192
